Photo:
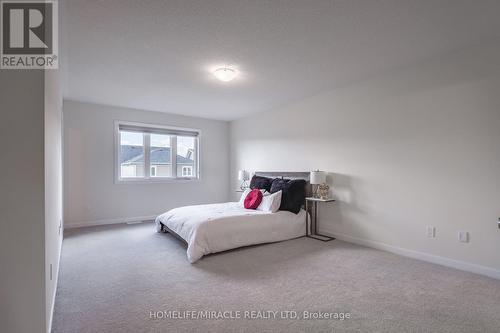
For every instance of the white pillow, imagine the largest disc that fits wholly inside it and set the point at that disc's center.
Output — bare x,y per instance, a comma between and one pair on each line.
243,196
271,202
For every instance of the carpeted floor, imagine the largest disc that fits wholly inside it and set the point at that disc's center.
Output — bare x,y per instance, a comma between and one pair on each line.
117,278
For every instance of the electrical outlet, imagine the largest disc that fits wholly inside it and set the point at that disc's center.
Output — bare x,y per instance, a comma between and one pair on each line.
431,232
463,236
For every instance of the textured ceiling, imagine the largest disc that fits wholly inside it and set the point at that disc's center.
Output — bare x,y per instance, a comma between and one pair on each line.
157,55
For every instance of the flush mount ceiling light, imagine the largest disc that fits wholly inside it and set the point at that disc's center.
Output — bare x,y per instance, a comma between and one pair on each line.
225,74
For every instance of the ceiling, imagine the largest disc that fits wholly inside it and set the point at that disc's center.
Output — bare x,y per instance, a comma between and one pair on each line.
157,55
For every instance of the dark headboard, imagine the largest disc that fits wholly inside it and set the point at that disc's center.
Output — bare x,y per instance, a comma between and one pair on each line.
288,175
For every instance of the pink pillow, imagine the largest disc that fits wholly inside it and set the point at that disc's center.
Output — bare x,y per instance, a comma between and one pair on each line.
253,199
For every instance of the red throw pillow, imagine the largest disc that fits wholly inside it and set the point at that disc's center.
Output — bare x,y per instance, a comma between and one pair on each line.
253,199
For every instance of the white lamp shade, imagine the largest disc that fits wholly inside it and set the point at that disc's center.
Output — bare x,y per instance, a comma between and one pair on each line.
317,177
242,175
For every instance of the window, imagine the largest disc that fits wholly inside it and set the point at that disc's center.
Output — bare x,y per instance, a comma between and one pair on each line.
155,153
186,149
160,155
131,154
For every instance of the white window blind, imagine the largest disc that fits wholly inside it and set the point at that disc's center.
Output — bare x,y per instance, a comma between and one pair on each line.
158,130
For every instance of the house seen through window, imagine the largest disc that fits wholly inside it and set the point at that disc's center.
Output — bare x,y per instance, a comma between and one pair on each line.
155,153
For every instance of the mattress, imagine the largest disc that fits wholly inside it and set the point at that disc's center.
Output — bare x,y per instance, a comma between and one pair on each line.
220,227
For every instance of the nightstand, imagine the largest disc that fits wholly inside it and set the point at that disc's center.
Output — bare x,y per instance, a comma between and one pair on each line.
314,223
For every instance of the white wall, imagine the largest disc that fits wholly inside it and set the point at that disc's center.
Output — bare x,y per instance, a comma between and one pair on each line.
30,200
22,289
90,194
31,197
414,148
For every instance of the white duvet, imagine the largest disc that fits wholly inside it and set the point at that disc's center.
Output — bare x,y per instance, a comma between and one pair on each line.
219,227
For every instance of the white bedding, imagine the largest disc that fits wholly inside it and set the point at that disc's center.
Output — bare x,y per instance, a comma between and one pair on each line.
219,227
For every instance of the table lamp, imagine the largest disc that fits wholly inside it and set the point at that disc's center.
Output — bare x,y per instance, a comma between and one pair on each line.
318,178
243,176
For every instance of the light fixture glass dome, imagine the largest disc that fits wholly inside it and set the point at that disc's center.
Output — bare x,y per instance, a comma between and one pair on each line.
225,74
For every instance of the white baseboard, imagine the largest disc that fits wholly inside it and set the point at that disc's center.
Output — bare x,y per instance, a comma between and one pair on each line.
465,266
70,225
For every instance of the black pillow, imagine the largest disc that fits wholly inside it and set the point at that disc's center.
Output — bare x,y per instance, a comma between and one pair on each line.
262,183
278,184
293,195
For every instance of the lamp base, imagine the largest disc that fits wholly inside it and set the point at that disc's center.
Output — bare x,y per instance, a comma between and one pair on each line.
316,192
322,191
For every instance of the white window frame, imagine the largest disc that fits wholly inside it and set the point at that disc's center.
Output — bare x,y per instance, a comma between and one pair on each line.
147,165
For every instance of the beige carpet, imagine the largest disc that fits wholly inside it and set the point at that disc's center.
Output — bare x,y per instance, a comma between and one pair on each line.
113,277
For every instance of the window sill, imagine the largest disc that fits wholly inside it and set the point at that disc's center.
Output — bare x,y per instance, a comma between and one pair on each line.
156,181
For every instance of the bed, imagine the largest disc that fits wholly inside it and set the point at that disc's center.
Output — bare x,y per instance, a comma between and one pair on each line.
219,227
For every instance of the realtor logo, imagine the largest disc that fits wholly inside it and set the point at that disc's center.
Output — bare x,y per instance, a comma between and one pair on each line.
29,34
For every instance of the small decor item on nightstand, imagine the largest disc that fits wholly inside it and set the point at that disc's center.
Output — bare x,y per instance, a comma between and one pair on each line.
243,176
318,178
